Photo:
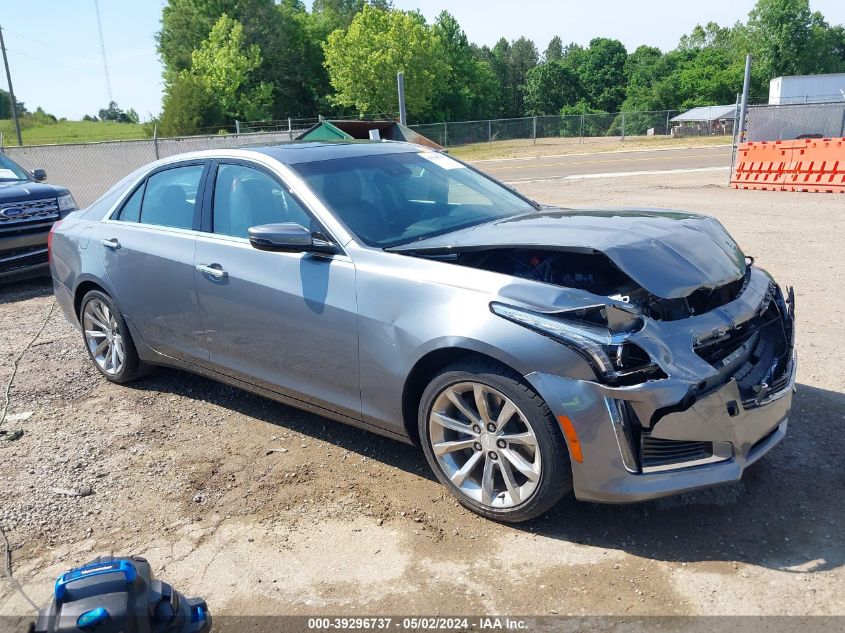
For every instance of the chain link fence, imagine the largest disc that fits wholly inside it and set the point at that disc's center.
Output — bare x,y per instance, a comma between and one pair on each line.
580,126
89,169
791,121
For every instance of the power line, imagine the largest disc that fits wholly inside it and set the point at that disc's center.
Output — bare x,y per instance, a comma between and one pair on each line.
103,49
29,38
49,62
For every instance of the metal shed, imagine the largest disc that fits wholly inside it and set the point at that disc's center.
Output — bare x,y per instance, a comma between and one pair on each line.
714,120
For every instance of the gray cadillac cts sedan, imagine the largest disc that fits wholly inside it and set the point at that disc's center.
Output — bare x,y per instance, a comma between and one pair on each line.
529,350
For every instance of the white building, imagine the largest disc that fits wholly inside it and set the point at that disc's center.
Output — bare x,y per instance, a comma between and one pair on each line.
807,89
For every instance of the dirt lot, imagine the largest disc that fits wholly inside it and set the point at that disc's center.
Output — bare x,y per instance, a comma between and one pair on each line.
344,522
554,146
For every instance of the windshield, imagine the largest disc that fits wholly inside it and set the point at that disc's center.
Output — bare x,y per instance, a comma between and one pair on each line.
10,170
392,199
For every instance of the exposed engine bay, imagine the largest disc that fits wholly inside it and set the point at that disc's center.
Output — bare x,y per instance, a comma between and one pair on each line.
594,272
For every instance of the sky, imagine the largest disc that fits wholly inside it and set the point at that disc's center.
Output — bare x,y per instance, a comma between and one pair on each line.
56,62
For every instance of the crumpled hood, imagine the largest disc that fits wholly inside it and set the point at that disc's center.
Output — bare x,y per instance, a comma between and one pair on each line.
669,253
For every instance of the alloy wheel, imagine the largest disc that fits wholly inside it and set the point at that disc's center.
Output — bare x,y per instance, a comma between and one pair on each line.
103,337
484,444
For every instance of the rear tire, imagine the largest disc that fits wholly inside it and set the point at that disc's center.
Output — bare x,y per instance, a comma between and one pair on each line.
493,441
108,340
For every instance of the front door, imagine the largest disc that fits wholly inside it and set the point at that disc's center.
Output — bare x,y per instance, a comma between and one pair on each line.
147,248
284,321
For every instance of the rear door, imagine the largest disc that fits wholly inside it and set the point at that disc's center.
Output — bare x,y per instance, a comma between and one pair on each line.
148,248
284,321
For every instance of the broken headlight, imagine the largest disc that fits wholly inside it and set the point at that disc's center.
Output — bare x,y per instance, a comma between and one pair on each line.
598,334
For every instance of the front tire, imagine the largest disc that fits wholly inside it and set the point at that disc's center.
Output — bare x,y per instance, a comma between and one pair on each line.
108,340
492,440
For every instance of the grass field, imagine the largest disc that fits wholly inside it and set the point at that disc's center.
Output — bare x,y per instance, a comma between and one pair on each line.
524,148
71,132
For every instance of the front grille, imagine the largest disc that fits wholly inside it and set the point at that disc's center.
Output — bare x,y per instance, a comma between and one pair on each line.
656,452
11,261
756,353
42,210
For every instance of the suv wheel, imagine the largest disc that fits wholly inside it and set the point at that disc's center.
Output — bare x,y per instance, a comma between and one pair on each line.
493,442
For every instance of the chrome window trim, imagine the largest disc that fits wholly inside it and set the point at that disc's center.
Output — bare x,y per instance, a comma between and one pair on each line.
297,186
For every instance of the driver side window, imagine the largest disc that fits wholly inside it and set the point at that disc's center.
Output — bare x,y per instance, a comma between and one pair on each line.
246,197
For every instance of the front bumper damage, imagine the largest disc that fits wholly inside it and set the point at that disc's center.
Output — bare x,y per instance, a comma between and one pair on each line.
703,424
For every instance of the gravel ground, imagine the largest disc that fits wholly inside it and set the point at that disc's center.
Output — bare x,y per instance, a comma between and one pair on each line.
339,521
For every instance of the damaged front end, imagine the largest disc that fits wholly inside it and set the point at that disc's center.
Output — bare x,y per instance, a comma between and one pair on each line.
713,396
691,344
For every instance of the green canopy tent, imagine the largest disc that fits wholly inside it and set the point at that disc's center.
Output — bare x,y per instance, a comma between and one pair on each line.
343,130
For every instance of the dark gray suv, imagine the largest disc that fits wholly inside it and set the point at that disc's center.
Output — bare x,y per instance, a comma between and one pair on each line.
28,209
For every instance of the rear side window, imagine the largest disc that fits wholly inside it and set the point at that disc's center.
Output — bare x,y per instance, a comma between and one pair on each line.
170,197
131,211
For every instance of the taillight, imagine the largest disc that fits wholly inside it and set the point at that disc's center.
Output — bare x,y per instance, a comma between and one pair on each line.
50,240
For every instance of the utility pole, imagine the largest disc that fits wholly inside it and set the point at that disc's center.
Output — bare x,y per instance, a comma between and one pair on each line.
400,83
11,90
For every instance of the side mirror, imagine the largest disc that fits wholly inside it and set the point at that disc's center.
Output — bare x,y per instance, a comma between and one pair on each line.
288,237
39,175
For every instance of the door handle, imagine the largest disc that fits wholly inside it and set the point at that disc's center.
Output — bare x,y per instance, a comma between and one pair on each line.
213,270
112,243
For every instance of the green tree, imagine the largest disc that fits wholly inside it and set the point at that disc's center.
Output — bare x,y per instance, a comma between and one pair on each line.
189,108
469,89
787,38
114,113
602,73
643,69
511,62
363,61
523,57
338,14
554,51
549,87
291,59
6,105
225,65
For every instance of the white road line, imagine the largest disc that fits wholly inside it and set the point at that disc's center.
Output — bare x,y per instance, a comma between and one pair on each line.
612,151
618,174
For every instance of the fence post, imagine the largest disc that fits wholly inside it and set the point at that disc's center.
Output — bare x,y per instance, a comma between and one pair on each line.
623,126
733,140
237,127
534,129
290,130
668,130
1,141
155,140
490,131
445,134
581,130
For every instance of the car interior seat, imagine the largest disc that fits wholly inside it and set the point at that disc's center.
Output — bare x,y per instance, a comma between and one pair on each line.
250,203
173,209
342,191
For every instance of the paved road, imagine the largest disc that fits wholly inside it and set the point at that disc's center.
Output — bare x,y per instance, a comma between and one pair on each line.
580,165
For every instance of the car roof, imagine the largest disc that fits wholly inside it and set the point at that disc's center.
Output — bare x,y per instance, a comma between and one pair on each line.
309,151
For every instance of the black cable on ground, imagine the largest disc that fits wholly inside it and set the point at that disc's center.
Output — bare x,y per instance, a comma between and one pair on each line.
6,547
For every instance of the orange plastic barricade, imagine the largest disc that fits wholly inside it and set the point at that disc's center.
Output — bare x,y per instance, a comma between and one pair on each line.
814,165
760,165
818,165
